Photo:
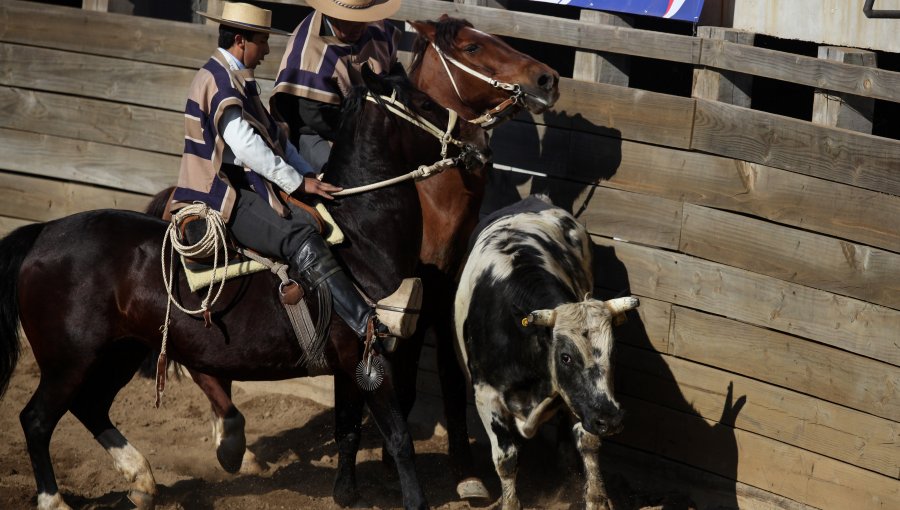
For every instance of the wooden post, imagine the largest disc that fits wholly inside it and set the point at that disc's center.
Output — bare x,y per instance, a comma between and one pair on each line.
213,7
840,109
723,86
600,66
95,5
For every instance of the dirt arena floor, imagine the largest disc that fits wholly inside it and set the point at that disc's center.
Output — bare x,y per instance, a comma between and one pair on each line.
291,434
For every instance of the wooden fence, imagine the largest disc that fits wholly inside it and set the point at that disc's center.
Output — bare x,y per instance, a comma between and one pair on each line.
762,368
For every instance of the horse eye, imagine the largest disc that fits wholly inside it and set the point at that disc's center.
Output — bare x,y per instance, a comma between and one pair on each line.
566,359
472,48
427,105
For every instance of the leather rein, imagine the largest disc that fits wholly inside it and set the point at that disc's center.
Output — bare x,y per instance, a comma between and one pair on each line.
491,117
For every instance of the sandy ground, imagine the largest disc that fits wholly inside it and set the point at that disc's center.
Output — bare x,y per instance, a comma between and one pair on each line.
293,435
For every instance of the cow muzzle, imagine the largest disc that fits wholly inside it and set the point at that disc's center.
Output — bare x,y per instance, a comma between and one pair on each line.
605,424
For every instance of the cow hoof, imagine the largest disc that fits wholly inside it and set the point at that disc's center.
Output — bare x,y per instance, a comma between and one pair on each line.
141,500
472,488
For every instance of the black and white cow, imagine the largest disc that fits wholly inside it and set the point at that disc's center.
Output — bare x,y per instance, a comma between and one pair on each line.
533,340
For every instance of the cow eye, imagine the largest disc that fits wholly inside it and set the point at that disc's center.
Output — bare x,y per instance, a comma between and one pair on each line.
566,359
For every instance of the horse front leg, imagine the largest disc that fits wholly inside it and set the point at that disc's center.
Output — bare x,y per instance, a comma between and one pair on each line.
594,492
348,407
228,426
387,414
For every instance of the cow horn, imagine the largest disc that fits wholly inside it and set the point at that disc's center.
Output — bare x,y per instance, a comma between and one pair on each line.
621,305
540,318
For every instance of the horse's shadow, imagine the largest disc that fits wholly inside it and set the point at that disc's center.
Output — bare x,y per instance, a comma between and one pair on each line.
566,161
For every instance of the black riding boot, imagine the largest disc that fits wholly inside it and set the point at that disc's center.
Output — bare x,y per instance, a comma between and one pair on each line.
316,265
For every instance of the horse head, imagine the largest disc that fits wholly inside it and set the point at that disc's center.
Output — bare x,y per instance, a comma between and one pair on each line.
478,74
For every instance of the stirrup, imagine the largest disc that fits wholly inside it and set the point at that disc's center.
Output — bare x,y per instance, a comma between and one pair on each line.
399,312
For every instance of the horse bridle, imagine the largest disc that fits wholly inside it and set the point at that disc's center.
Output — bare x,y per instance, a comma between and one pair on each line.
444,136
491,117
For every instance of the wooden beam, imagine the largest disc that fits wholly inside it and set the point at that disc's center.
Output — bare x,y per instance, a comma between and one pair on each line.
856,326
93,120
778,411
601,66
857,159
836,76
87,162
762,462
841,110
725,86
837,266
7,225
824,372
41,199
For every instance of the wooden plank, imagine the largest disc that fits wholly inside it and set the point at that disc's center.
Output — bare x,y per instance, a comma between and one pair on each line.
857,159
553,30
837,76
601,66
87,162
92,120
110,79
650,330
782,413
138,38
95,5
631,114
786,197
755,460
40,199
725,86
846,323
630,216
7,225
797,256
845,111
833,375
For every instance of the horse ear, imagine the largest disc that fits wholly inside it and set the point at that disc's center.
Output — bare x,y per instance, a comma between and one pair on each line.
397,69
373,81
425,29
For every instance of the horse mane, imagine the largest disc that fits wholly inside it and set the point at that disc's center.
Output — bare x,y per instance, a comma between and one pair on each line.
353,104
445,33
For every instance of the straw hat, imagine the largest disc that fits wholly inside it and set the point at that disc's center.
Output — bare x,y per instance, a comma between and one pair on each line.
356,10
247,17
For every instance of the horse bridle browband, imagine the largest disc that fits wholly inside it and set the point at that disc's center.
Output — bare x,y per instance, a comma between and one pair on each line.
489,118
445,137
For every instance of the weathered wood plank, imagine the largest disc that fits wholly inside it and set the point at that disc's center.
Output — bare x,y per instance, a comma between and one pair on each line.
794,255
815,204
7,225
858,80
40,199
535,27
858,159
87,162
118,35
92,120
849,324
755,460
651,330
110,79
836,376
632,114
800,420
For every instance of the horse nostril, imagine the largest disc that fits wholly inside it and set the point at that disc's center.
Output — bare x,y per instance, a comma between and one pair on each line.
546,81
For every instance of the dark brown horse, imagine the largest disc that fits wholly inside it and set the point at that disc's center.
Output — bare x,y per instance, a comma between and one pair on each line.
450,203
88,293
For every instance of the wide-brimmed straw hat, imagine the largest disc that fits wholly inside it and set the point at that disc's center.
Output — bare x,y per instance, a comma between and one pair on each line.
356,10
247,17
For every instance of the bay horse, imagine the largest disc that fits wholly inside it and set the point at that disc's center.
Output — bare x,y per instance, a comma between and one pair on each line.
88,294
450,205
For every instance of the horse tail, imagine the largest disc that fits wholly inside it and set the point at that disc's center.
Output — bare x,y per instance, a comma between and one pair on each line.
13,249
159,204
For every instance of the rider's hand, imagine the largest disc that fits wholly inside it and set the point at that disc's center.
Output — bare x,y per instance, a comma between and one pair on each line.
313,186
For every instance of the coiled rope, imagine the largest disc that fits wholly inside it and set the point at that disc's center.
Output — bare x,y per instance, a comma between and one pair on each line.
214,240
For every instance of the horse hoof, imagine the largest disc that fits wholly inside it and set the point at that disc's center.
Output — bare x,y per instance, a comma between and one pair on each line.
472,488
344,492
141,500
231,452
251,466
